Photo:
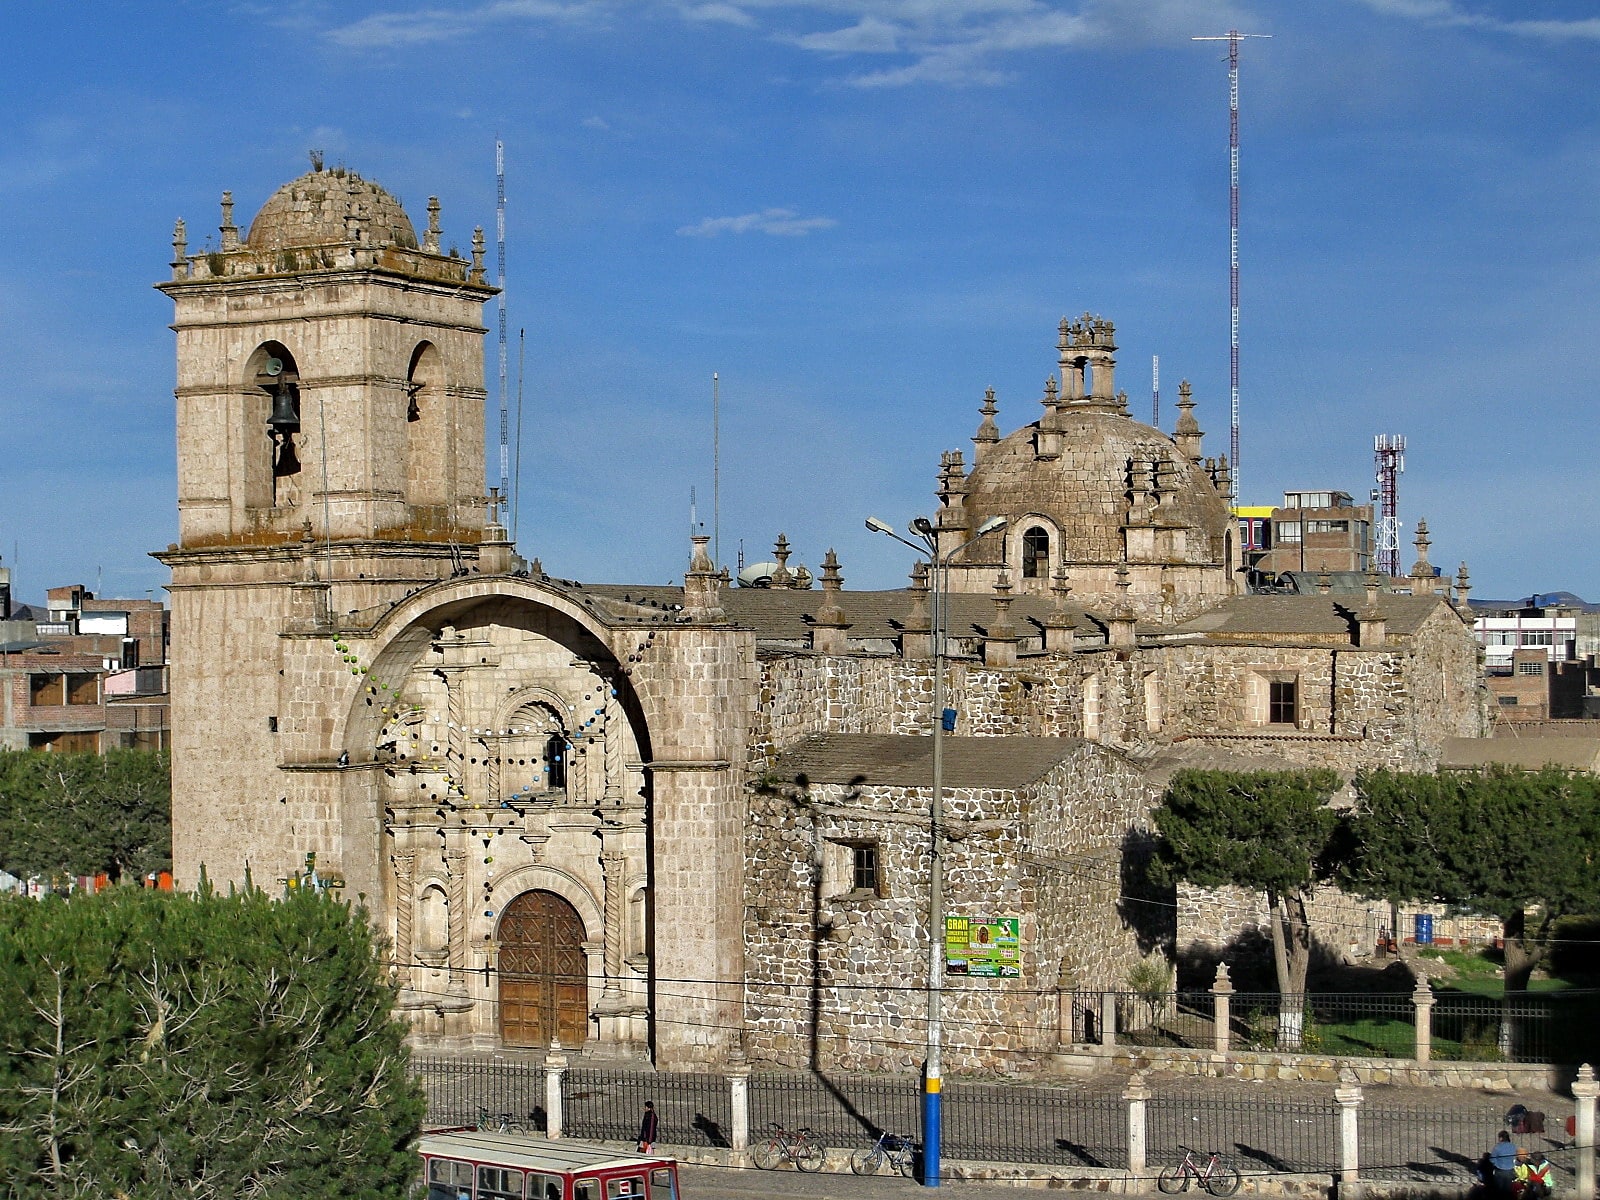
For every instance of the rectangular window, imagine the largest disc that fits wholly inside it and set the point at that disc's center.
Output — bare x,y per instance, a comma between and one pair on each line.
1538,638
1282,708
1287,531
625,1188
1530,668
1507,701
661,1185
499,1183
83,689
45,691
544,1187
449,1179
864,866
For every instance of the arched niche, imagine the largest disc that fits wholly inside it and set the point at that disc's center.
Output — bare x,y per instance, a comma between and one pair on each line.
270,413
429,446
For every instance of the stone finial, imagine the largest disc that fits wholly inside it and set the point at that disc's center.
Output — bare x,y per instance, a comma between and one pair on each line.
1463,586
1223,981
229,231
782,577
1187,433
916,639
1324,583
1223,476
1423,578
316,160
430,239
702,598
1121,631
180,249
1140,490
988,432
1000,643
476,275
802,579
828,625
1371,625
1060,627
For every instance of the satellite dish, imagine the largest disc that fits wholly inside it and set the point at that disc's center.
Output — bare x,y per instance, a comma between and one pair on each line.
274,367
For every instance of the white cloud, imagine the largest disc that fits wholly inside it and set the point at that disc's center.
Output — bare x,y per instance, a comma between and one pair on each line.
595,123
727,14
1450,13
778,222
867,36
421,26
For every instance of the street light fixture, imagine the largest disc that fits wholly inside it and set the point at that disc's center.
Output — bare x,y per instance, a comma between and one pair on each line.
923,529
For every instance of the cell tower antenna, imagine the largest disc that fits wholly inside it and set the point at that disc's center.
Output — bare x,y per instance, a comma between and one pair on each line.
1389,451
1155,390
1233,37
500,282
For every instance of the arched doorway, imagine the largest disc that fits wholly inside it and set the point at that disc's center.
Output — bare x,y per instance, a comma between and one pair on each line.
544,991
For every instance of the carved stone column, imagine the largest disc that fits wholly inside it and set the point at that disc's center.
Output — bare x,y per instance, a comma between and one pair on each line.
405,903
456,869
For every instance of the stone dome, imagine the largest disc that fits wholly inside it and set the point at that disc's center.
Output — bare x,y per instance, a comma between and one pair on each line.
1085,489
317,208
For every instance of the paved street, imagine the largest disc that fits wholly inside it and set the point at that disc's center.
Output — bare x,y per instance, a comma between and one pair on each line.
733,1183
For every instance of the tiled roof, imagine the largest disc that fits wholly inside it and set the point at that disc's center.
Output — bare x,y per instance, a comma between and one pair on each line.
889,760
786,614
1314,616
1578,754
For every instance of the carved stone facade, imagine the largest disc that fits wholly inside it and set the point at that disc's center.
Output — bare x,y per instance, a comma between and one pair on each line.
574,810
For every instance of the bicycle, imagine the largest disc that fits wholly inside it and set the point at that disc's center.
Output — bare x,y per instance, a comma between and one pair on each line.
499,1122
1216,1176
898,1151
800,1146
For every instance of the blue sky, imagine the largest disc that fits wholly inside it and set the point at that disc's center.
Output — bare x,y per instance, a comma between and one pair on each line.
860,213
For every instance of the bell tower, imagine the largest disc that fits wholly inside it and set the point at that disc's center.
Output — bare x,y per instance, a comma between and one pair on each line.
330,404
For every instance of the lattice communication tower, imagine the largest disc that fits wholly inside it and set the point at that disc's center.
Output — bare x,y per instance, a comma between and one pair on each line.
1389,452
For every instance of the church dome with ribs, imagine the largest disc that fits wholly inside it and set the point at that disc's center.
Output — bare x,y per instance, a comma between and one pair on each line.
318,208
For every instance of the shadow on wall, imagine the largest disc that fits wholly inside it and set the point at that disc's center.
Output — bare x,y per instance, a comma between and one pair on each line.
1147,908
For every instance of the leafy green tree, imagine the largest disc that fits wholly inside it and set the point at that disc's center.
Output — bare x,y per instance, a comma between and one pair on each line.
1271,832
1501,841
81,814
157,1045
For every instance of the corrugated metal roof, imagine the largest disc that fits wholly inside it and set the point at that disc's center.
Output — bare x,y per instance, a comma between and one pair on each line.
1575,754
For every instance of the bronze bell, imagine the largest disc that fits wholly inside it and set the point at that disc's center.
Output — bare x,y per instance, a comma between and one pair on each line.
285,416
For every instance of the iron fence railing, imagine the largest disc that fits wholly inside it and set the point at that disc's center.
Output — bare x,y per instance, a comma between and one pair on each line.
607,1103
458,1089
845,1111
1257,1137
1000,1122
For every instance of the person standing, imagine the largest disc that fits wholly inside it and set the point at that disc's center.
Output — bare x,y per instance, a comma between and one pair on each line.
647,1127
1503,1163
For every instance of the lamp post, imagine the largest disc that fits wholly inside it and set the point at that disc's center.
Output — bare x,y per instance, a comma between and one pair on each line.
938,565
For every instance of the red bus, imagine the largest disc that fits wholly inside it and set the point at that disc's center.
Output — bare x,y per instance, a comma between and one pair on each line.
474,1165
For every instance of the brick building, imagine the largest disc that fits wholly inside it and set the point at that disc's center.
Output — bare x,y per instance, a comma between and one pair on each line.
693,819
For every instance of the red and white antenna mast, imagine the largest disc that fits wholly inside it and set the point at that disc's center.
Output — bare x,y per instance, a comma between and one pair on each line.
1232,37
1389,450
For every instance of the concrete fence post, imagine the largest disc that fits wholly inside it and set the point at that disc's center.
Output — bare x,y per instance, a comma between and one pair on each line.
739,1102
1422,1000
1348,1097
1221,1017
1137,1093
1108,1018
555,1068
1584,1091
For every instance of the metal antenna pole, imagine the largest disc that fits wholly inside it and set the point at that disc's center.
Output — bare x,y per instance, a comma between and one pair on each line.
716,470
500,282
1232,37
522,360
1389,449
1155,390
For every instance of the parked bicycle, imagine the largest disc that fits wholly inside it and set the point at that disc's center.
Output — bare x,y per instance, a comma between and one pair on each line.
500,1122
1214,1175
800,1146
897,1151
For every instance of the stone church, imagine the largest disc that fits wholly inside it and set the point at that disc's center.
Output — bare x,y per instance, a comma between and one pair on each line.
693,822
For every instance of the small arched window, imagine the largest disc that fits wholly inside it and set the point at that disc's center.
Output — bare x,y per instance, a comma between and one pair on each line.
1035,554
433,920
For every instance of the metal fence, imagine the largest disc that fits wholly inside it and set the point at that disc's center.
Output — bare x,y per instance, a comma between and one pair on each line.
1258,1137
461,1090
1362,1024
606,1103
1178,1019
1074,1126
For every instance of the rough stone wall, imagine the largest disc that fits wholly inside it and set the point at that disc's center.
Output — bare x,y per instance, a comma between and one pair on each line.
837,976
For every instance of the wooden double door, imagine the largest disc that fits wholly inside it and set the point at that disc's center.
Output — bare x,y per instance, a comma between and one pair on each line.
544,989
